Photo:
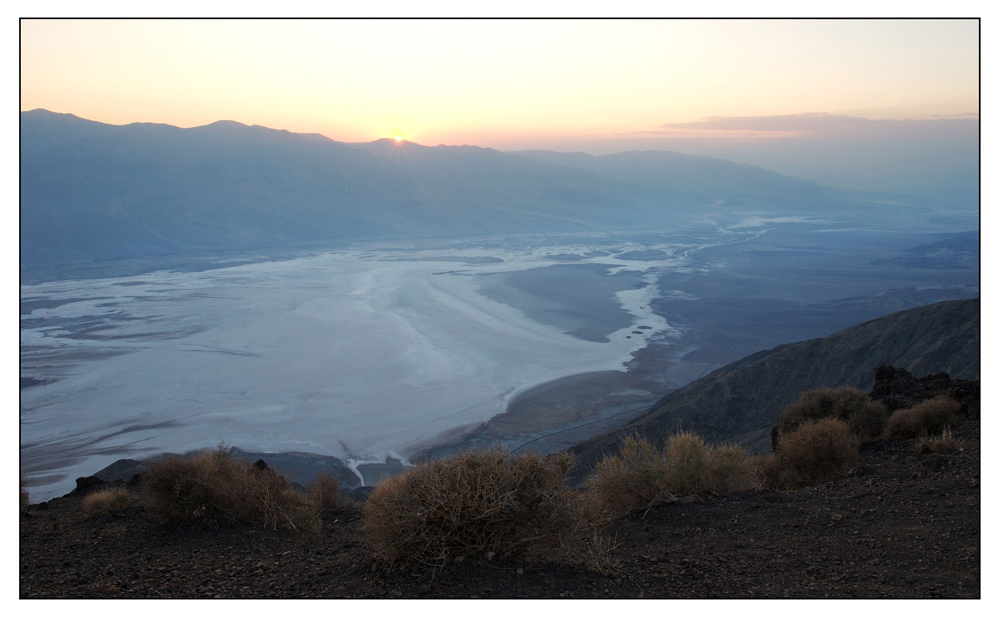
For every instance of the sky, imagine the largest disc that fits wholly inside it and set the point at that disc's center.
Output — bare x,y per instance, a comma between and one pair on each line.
850,103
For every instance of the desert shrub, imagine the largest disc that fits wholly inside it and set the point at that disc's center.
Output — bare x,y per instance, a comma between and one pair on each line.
812,453
729,470
106,500
867,418
474,505
929,417
632,478
684,458
326,492
639,476
599,552
694,467
942,443
216,484
771,471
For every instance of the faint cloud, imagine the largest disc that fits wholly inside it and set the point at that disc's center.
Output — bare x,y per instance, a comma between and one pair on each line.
805,125
797,123
971,114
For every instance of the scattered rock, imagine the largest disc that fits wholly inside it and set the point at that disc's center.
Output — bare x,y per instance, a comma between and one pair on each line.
934,462
87,484
903,532
898,389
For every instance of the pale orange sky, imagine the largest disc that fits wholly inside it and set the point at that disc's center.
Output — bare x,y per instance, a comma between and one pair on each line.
505,84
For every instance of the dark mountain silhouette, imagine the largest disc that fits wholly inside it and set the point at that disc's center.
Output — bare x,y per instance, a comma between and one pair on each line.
744,398
97,191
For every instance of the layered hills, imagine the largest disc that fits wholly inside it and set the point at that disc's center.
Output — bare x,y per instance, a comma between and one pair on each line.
97,191
741,401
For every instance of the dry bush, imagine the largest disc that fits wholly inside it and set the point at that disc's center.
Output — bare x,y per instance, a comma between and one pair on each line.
867,418
639,476
771,471
942,443
106,500
813,453
598,555
215,484
633,478
730,470
475,505
927,418
685,459
326,493
694,467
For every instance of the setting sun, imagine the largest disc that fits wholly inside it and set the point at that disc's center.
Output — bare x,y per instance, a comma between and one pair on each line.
398,138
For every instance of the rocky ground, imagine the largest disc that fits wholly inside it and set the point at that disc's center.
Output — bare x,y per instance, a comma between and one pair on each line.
899,526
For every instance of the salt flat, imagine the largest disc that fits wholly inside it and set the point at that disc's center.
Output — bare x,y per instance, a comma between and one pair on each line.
355,354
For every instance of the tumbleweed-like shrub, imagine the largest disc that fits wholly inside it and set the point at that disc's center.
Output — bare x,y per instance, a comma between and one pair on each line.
326,492
812,453
927,418
729,470
942,443
475,505
867,418
638,475
686,460
215,484
106,500
628,480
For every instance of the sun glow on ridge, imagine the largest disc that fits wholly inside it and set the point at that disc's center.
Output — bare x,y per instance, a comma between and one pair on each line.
398,138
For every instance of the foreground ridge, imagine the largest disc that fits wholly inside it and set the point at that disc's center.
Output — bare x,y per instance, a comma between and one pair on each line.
899,525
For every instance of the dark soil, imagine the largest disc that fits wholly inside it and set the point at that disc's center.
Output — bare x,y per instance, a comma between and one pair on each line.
898,526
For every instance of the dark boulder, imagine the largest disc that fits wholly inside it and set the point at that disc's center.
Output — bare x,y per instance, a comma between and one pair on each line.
87,483
898,389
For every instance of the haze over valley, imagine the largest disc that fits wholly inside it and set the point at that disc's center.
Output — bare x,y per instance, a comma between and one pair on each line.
276,293
356,262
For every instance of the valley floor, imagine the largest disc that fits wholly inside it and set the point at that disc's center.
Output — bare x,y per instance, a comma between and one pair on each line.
898,526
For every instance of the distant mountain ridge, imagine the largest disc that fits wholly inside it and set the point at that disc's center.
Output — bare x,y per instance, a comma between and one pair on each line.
97,191
682,174
749,394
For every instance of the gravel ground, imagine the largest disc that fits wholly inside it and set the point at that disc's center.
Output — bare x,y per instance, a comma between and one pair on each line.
898,526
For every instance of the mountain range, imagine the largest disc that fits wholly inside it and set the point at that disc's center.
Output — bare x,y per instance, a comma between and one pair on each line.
94,191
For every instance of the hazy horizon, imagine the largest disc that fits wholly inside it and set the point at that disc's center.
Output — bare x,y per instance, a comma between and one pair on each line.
883,105
881,157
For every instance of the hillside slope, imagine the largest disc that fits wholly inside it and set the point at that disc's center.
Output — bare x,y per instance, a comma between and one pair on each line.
749,394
